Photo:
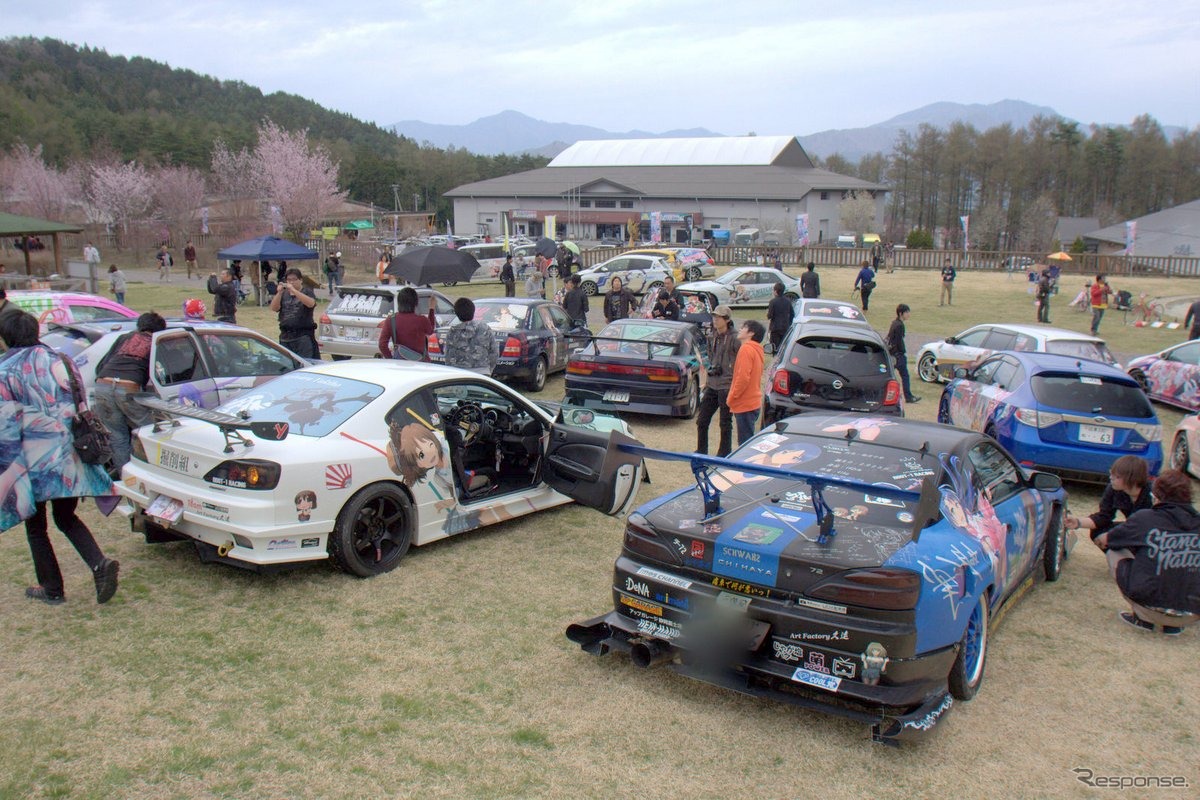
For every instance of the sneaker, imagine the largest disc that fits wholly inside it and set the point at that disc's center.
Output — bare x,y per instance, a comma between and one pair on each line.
913,399
1172,630
39,593
106,579
1129,618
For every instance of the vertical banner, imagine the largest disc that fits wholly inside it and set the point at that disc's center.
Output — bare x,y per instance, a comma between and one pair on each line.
802,230
204,220
276,221
1130,236
656,226
966,224
550,227
504,218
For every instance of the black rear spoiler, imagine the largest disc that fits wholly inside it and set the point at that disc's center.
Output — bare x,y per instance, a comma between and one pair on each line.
229,425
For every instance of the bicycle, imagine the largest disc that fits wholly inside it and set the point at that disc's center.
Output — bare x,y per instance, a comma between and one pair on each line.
1147,310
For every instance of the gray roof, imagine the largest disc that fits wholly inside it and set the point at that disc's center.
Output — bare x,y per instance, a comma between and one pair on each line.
1173,232
761,182
1069,229
708,151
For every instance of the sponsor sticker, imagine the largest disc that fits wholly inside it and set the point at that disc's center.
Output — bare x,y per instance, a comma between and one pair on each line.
844,667
821,681
821,606
666,577
338,476
313,541
787,652
282,544
640,605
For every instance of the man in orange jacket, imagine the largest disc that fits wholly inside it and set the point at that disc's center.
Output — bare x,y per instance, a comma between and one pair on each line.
745,394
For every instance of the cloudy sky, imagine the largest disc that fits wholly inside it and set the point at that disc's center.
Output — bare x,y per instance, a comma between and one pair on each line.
786,67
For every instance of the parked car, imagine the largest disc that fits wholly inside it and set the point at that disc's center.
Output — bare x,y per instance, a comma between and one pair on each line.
688,263
832,366
534,338
648,366
1171,376
194,362
1185,447
847,562
491,258
747,286
1054,412
640,273
350,325
356,461
814,309
937,361
67,307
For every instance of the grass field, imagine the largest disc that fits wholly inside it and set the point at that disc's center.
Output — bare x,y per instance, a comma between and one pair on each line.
451,677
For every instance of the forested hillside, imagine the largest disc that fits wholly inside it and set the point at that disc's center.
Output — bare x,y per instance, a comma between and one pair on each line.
78,102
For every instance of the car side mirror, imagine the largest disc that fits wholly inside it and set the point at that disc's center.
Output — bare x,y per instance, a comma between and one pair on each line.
960,372
951,340
1046,482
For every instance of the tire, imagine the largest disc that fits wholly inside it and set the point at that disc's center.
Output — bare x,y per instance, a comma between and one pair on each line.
449,283
653,288
927,368
943,415
1056,545
1180,453
589,288
380,516
693,400
537,381
692,274
966,674
1140,377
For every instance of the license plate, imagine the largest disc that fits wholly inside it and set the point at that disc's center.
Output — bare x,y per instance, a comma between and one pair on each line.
616,397
733,602
173,460
165,508
1095,434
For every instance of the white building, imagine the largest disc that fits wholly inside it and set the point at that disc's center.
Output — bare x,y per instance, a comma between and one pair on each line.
686,188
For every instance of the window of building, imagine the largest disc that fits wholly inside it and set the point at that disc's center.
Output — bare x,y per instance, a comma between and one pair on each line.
606,204
824,195
626,204
585,203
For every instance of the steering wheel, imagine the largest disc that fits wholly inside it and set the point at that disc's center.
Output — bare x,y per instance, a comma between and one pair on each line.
467,418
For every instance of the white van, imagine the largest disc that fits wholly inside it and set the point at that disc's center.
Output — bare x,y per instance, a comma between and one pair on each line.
746,237
847,240
491,258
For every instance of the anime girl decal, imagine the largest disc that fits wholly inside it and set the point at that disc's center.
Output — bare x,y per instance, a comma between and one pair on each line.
306,501
415,453
983,524
868,428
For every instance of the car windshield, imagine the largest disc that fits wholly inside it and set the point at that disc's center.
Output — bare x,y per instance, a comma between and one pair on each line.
362,304
729,278
1089,394
67,341
848,357
1081,348
311,403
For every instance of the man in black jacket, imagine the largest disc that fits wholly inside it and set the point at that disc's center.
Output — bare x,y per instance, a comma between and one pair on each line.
508,277
1154,556
575,303
722,349
779,316
810,282
225,308
898,349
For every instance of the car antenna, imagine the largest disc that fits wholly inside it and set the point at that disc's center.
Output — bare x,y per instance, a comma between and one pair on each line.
851,434
924,449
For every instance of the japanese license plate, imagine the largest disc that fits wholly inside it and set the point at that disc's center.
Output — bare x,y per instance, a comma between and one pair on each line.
733,602
616,397
1096,434
173,460
165,508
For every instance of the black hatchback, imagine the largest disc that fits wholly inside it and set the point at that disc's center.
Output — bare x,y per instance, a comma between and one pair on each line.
832,366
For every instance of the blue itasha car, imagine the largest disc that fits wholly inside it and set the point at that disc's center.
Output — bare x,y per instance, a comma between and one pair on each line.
1069,415
846,562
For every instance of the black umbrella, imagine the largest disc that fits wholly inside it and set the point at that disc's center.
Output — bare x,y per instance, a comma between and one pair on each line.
546,247
431,264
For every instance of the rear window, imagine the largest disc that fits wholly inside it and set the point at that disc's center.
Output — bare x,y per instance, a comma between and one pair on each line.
361,304
848,357
66,341
311,404
1093,351
1087,394
659,341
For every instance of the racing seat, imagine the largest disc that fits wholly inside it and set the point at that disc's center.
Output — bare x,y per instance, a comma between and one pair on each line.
474,481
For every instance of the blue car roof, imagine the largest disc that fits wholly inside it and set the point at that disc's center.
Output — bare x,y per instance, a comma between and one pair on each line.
1035,363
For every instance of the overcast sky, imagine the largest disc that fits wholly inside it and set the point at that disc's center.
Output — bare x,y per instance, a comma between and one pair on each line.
787,67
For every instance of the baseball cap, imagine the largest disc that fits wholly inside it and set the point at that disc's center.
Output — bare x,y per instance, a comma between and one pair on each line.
723,311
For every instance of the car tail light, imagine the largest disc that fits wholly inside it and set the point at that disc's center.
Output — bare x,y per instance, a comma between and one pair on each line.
577,367
667,374
325,320
1151,433
514,347
245,474
891,395
779,383
433,345
1037,419
642,539
876,587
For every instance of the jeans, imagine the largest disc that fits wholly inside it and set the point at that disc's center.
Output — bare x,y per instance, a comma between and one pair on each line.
710,402
304,345
746,420
120,297
902,371
866,298
121,414
1097,315
776,339
45,563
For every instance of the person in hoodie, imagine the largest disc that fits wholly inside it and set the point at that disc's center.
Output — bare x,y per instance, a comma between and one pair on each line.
1154,557
745,393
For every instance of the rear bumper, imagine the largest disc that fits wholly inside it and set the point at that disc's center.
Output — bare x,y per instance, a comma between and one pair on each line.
776,407
670,400
1073,461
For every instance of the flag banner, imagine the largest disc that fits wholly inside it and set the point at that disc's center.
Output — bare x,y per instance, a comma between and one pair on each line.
1130,236
802,230
655,226
966,225
204,220
505,218
550,228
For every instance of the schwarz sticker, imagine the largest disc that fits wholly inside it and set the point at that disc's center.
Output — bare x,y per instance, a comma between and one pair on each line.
821,681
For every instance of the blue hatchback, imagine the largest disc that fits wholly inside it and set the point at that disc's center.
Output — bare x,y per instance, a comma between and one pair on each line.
1060,413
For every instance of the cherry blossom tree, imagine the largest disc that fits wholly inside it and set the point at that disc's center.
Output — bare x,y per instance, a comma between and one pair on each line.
297,178
28,185
120,195
178,196
232,178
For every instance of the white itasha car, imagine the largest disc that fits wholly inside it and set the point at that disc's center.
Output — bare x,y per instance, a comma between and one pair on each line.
745,286
937,361
355,461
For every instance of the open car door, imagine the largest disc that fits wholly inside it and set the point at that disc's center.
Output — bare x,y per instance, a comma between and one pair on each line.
589,467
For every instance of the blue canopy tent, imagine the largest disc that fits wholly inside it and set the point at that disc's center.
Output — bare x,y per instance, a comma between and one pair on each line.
269,248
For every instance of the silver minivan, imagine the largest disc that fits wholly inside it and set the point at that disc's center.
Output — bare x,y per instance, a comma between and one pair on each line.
351,324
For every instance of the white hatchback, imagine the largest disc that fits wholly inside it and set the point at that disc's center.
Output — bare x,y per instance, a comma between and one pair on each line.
937,361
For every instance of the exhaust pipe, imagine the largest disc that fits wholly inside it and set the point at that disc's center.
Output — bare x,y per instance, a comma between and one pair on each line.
224,549
646,653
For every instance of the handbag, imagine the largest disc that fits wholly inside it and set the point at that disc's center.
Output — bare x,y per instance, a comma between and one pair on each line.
93,443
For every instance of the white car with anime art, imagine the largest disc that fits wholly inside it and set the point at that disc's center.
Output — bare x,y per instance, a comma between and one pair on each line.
745,286
356,461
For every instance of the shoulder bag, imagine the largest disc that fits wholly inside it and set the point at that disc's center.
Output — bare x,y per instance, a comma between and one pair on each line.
91,437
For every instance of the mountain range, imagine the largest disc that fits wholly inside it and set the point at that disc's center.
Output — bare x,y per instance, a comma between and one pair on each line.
516,133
